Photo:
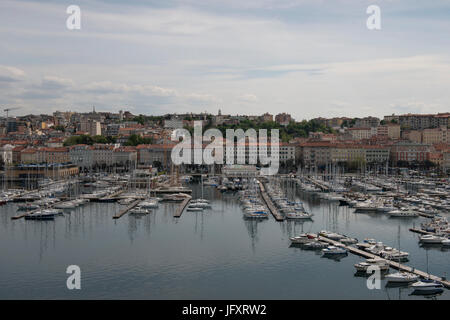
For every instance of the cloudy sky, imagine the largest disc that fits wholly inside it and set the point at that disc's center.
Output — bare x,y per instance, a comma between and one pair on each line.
310,58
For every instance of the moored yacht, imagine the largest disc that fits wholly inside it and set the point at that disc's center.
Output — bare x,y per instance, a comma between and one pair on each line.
382,264
402,277
427,286
333,250
430,238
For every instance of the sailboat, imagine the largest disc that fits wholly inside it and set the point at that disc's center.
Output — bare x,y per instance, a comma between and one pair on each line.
201,202
427,286
401,277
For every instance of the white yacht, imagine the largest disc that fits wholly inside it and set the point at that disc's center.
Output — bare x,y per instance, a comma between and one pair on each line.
402,277
432,239
194,208
139,210
298,215
149,204
382,264
303,238
331,235
333,250
403,213
427,286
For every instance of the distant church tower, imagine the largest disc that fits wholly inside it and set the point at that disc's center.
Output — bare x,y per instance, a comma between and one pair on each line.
220,113
93,109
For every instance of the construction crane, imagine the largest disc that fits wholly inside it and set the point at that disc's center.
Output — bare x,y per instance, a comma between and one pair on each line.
9,109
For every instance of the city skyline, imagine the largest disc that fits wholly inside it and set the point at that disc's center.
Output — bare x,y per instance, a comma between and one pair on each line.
196,56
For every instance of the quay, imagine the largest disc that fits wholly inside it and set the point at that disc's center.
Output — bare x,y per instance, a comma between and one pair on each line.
124,211
269,203
181,207
393,264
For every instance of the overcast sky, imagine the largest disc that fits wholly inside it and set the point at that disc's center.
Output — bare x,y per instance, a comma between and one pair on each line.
310,58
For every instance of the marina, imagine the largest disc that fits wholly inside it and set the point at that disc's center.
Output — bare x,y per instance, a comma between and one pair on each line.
252,222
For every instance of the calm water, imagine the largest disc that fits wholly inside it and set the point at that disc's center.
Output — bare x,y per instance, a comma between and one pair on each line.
210,255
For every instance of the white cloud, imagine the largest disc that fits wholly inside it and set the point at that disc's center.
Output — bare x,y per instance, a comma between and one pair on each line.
11,74
198,54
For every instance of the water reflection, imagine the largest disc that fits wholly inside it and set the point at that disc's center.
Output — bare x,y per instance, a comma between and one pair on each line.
158,256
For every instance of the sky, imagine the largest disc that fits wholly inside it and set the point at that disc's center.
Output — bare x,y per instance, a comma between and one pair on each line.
310,58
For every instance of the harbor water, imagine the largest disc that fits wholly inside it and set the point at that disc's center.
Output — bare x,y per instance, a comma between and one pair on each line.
214,254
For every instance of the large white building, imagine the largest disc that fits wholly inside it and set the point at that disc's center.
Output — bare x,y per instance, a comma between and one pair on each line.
81,155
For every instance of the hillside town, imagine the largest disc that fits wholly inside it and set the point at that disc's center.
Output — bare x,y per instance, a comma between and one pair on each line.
73,142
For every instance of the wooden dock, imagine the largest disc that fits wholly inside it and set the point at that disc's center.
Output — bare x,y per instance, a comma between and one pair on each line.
181,207
392,264
124,211
269,203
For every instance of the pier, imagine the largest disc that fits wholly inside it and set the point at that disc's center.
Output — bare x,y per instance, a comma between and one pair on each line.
269,203
181,207
318,184
124,211
393,264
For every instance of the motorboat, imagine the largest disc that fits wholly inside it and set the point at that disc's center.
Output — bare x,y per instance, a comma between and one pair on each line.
333,250
403,213
303,238
430,238
139,211
315,245
427,286
394,254
402,277
193,208
199,204
331,235
382,264
349,240
66,205
298,215
40,215
149,204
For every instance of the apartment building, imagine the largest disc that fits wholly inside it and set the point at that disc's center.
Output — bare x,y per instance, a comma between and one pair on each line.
361,133
390,130
421,121
102,154
409,152
316,153
125,155
81,155
367,122
362,153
